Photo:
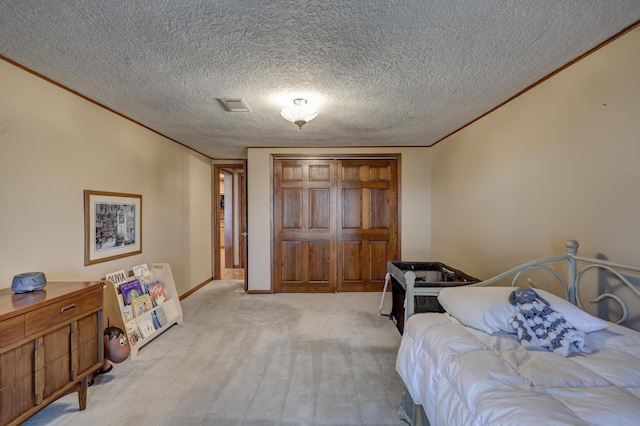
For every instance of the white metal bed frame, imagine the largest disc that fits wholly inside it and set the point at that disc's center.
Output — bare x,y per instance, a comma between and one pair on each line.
571,284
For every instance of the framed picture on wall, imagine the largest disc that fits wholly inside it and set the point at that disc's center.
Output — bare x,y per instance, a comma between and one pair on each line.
112,226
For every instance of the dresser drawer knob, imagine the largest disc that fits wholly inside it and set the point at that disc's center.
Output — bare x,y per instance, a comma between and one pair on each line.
68,308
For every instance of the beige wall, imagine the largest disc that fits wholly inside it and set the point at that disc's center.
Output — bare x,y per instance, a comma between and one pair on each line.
560,162
55,146
414,193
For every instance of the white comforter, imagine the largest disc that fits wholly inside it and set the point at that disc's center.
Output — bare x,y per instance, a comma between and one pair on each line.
462,376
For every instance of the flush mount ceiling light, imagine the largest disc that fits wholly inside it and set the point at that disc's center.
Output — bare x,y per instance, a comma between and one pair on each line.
300,113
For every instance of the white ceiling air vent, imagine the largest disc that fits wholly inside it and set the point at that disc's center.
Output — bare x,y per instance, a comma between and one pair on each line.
235,105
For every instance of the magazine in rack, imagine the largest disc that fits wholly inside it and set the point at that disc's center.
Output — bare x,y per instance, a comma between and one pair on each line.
149,316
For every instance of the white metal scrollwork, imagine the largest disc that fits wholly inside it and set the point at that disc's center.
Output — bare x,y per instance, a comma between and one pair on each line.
544,268
622,278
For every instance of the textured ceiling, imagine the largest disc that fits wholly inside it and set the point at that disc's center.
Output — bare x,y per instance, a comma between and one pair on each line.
383,73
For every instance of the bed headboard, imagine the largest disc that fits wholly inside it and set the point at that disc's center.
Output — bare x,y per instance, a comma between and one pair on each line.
571,279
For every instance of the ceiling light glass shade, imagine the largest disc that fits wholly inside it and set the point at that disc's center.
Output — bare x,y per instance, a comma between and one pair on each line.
299,113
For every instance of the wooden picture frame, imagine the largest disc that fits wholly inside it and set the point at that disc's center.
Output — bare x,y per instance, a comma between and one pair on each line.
112,226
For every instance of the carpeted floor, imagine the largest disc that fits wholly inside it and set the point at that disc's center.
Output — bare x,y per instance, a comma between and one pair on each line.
283,359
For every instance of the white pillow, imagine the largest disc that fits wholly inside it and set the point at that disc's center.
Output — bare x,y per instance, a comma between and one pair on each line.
488,309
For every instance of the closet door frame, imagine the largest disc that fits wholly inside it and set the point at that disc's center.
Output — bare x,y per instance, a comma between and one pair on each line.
374,156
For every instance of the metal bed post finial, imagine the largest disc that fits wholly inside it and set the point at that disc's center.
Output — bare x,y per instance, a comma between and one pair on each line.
572,250
572,247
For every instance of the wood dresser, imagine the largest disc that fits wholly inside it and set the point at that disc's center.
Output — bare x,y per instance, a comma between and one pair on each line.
50,341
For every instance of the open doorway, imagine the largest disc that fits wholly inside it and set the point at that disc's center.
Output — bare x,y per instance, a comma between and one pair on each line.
230,236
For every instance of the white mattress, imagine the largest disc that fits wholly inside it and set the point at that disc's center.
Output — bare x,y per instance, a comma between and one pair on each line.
462,376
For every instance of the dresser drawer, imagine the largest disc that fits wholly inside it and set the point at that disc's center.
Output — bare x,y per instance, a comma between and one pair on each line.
59,312
11,330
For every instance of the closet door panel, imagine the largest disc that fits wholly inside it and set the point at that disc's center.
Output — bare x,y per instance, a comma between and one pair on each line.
291,256
352,261
335,223
319,209
368,219
319,257
379,255
352,208
304,226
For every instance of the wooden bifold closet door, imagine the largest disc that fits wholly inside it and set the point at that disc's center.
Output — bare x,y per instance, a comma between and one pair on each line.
335,223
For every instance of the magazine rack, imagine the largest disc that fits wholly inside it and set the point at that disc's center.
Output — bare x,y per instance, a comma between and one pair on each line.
113,307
